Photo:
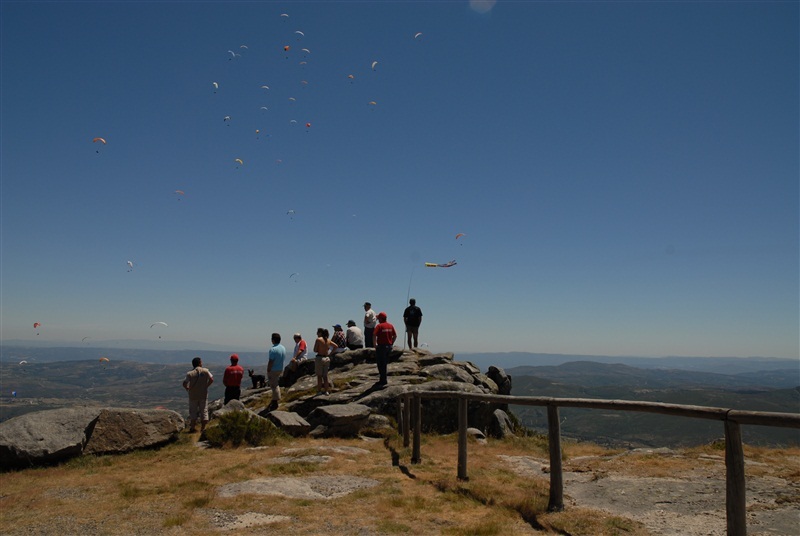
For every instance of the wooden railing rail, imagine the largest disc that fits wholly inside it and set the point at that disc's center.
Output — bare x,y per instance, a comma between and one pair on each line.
410,411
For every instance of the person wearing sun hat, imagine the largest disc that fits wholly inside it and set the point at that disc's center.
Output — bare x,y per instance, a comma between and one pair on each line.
232,380
385,335
354,337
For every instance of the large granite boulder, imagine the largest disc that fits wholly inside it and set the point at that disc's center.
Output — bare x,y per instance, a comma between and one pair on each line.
123,430
45,436
56,435
291,423
340,420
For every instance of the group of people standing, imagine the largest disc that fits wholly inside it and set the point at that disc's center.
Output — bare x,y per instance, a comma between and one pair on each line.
378,333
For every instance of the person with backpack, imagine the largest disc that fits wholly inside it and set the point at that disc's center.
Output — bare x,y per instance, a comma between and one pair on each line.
412,317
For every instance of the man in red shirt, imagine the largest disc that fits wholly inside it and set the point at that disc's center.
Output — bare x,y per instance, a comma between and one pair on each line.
232,380
385,335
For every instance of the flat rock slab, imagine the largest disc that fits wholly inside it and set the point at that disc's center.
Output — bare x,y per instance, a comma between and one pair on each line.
227,521
338,450
312,487
311,458
673,506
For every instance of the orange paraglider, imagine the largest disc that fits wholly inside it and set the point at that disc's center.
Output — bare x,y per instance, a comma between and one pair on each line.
101,140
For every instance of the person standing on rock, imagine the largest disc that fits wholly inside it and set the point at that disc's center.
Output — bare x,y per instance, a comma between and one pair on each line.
385,335
196,383
277,355
354,336
323,346
412,317
232,380
370,321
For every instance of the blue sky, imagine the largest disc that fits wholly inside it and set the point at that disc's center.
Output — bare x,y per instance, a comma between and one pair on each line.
625,173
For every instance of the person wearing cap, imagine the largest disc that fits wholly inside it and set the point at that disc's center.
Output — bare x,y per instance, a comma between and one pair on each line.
412,317
338,339
300,353
370,321
354,338
232,380
277,354
385,335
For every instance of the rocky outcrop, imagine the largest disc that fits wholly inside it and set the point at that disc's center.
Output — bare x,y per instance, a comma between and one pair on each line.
55,435
357,403
355,375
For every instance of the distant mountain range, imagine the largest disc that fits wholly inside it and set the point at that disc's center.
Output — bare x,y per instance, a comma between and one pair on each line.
66,376
768,390
720,365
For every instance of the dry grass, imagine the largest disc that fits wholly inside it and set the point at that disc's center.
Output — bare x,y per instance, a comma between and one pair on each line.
173,490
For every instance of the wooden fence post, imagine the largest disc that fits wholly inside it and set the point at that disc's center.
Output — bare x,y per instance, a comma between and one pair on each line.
556,503
735,499
406,419
462,439
417,409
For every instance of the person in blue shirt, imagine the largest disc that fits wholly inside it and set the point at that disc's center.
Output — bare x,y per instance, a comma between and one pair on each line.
277,355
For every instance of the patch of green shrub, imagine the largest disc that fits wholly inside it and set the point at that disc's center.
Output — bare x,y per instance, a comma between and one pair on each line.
237,427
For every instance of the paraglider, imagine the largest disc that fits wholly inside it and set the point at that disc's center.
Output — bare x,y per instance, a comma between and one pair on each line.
216,86
36,326
104,361
374,63
99,140
83,339
459,235
417,34
373,103
130,266
308,125
290,213
445,265
264,108
158,324
239,161
264,87
295,274
23,362
179,193
285,15
306,50
226,119
298,32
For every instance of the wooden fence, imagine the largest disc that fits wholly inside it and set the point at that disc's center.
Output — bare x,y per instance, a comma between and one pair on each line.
410,411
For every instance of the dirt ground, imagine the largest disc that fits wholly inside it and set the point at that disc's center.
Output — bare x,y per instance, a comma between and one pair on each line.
683,505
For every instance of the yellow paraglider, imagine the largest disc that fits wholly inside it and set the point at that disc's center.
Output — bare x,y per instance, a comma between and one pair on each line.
239,161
